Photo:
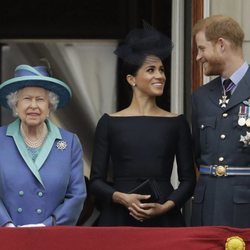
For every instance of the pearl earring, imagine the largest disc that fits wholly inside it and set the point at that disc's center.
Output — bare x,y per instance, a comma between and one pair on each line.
133,84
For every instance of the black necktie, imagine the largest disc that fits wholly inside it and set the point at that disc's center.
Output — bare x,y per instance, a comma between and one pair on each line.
228,87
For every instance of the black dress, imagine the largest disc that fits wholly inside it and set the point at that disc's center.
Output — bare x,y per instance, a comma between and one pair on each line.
138,148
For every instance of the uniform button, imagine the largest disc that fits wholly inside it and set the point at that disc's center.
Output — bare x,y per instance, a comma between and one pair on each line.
225,115
202,126
221,159
39,211
40,194
21,193
19,210
222,136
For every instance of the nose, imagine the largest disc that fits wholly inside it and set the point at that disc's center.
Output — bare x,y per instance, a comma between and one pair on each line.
33,103
160,74
198,57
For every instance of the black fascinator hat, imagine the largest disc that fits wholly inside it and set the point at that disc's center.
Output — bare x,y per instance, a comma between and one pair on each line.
140,43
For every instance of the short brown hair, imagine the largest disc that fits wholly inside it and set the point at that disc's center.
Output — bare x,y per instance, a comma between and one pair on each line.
220,26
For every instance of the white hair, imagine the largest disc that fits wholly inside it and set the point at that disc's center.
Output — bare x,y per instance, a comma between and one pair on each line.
12,99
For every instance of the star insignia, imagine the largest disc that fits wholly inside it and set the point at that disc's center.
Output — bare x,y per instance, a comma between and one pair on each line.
245,139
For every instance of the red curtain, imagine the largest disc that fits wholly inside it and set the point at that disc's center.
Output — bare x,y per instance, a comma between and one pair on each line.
119,238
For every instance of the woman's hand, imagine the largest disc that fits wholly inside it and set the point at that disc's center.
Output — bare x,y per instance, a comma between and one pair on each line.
128,199
143,211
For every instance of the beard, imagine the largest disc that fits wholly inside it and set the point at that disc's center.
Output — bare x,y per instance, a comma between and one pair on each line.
212,66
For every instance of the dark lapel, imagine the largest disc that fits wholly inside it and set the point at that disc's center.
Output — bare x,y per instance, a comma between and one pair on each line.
242,92
215,92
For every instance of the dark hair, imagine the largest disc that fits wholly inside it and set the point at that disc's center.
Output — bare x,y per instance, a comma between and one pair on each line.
140,43
130,68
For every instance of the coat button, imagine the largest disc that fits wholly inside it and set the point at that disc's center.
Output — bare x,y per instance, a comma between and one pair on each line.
221,159
222,136
19,210
39,211
225,115
202,126
21,193
40,194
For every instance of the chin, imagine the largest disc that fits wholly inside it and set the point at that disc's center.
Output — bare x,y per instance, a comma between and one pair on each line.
208,72
158,94
33,123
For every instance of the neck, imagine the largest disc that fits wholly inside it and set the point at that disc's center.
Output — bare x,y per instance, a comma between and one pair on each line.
232,64
34,136
143,106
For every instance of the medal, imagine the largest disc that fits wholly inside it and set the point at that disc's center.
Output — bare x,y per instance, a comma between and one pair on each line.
223,101
248,122
242,116
242,121
247,102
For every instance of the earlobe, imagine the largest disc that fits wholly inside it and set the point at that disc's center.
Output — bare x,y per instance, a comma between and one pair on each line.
130,80
221,43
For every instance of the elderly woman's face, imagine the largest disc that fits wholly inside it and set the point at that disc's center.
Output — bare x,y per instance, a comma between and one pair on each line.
32,105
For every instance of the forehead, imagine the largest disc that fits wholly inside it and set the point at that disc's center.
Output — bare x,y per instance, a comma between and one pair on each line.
33,91
152,60
202,42
200,37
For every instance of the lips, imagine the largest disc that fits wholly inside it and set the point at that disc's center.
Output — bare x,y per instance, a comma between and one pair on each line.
33,114
158,84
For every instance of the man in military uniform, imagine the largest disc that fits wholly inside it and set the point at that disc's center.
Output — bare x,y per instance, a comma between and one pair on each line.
221,126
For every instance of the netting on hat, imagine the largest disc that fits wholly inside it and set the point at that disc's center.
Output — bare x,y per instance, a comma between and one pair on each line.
140,43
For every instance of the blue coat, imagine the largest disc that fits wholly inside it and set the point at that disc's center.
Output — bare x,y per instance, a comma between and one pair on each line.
221,200
49,190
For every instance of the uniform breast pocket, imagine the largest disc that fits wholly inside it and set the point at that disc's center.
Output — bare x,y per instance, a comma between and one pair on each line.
207,126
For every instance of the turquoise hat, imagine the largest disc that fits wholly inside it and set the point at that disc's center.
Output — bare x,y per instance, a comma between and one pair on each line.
38,76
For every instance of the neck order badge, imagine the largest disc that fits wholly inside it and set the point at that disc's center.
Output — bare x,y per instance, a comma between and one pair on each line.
228,85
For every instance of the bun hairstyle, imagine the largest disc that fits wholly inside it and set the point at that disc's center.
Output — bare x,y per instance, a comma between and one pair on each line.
140,43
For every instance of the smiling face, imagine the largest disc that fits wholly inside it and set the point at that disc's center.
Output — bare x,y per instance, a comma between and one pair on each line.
150,77
209,55
32,105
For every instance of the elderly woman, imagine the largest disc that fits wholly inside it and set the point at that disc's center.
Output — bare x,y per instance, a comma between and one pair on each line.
41,165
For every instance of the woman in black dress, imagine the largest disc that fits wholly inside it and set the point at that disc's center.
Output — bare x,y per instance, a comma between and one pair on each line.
142,141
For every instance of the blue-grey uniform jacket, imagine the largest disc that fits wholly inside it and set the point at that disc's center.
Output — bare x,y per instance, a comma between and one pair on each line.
220,140
49,190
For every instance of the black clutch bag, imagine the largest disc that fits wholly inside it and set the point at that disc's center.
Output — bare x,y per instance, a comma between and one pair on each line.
149,186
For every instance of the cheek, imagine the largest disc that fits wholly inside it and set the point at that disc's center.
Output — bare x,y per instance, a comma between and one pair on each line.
19,108
46,109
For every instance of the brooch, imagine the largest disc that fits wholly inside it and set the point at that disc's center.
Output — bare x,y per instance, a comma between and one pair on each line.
245,139
61,145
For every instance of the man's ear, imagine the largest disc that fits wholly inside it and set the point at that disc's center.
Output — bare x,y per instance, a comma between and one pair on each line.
221,42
